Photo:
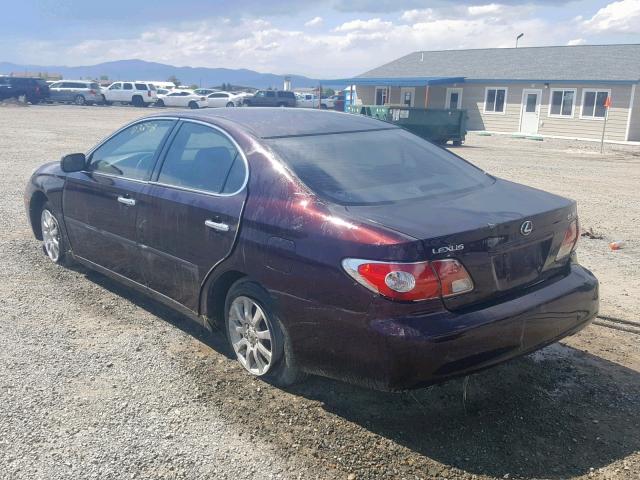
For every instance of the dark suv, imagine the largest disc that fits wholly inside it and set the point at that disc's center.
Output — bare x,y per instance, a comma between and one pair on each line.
33,89
271,98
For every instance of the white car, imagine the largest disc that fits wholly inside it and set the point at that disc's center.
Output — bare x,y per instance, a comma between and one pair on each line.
223,99
182,98
139,94
309,100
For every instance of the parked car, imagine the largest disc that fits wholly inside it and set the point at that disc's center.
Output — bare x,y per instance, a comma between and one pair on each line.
34,90
309,100
76,91
135,93
182,98
223,99
271,98
322,242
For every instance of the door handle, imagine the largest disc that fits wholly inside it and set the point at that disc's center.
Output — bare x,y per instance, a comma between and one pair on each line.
129,202
221,227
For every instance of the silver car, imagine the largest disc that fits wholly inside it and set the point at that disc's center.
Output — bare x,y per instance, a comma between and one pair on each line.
80,92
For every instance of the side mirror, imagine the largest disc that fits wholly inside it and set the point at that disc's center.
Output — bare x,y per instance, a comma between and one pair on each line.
74,162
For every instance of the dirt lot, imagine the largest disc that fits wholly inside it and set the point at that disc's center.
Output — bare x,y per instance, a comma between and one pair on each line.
97,382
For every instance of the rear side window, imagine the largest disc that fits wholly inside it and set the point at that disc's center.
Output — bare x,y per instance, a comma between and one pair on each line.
202,158
271,94
376,167
141,86
128,86
94,86
131,152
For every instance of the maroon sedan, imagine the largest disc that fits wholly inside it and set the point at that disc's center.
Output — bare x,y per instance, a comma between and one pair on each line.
324,242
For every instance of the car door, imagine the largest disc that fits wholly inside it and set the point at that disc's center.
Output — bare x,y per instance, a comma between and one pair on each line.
113,93
100,204
126,94
196,200
56,93
217,100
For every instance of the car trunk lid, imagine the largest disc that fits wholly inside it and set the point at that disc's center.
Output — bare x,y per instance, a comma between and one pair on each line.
506,235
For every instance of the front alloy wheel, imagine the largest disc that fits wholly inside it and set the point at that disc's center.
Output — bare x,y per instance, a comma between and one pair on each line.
50,235
250,335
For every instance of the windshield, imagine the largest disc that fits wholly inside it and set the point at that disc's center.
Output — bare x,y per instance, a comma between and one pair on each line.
382,166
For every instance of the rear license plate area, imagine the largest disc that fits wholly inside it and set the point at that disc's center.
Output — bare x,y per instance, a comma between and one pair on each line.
520,265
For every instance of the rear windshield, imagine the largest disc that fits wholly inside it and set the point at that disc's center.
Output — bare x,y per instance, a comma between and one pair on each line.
376,167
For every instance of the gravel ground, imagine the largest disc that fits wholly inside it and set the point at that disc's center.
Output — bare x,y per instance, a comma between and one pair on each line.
98,382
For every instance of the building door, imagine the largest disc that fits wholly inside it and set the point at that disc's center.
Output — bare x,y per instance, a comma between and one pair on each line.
454,99
530,111
407,96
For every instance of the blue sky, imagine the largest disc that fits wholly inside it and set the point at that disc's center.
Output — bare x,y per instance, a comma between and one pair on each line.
323,39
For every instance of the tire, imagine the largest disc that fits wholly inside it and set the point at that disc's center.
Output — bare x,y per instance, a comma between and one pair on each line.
323,106
54,242
79,100
193,105
230,104
159,103
250,340
457,143
137,101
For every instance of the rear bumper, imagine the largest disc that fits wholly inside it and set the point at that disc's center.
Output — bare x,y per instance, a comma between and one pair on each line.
418,350
434,348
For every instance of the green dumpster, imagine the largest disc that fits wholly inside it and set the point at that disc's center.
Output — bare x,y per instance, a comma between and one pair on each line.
439,126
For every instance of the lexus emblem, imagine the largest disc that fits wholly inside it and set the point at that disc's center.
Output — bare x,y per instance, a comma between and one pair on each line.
526,228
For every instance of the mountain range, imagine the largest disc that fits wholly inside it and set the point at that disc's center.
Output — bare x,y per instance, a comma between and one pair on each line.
143,70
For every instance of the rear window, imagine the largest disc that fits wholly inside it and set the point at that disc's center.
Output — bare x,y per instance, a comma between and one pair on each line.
376,167
94,86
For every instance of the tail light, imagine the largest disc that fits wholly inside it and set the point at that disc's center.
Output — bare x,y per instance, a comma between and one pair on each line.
148,93
569,241
410,281
92,92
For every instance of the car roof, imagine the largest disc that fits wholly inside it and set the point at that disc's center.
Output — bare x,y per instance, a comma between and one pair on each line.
265,122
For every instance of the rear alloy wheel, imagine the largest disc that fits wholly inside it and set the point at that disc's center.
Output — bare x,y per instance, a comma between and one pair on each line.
193,105
250,335
257,336
53,240
230,104
137,101
79,100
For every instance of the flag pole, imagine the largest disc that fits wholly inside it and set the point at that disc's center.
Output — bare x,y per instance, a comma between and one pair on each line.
607,104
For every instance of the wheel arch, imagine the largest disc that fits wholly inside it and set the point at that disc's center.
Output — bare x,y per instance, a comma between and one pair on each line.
214,294
38,199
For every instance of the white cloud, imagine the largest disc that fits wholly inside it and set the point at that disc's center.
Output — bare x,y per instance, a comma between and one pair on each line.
374,24
617,17
489,9
414,16
577,41
314,22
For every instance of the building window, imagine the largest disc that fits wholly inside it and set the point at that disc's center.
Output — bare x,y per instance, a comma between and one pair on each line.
453,100
495,100
381,95
562,102
593,103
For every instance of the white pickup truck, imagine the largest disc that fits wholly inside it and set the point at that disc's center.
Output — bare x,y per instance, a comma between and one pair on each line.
310,100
